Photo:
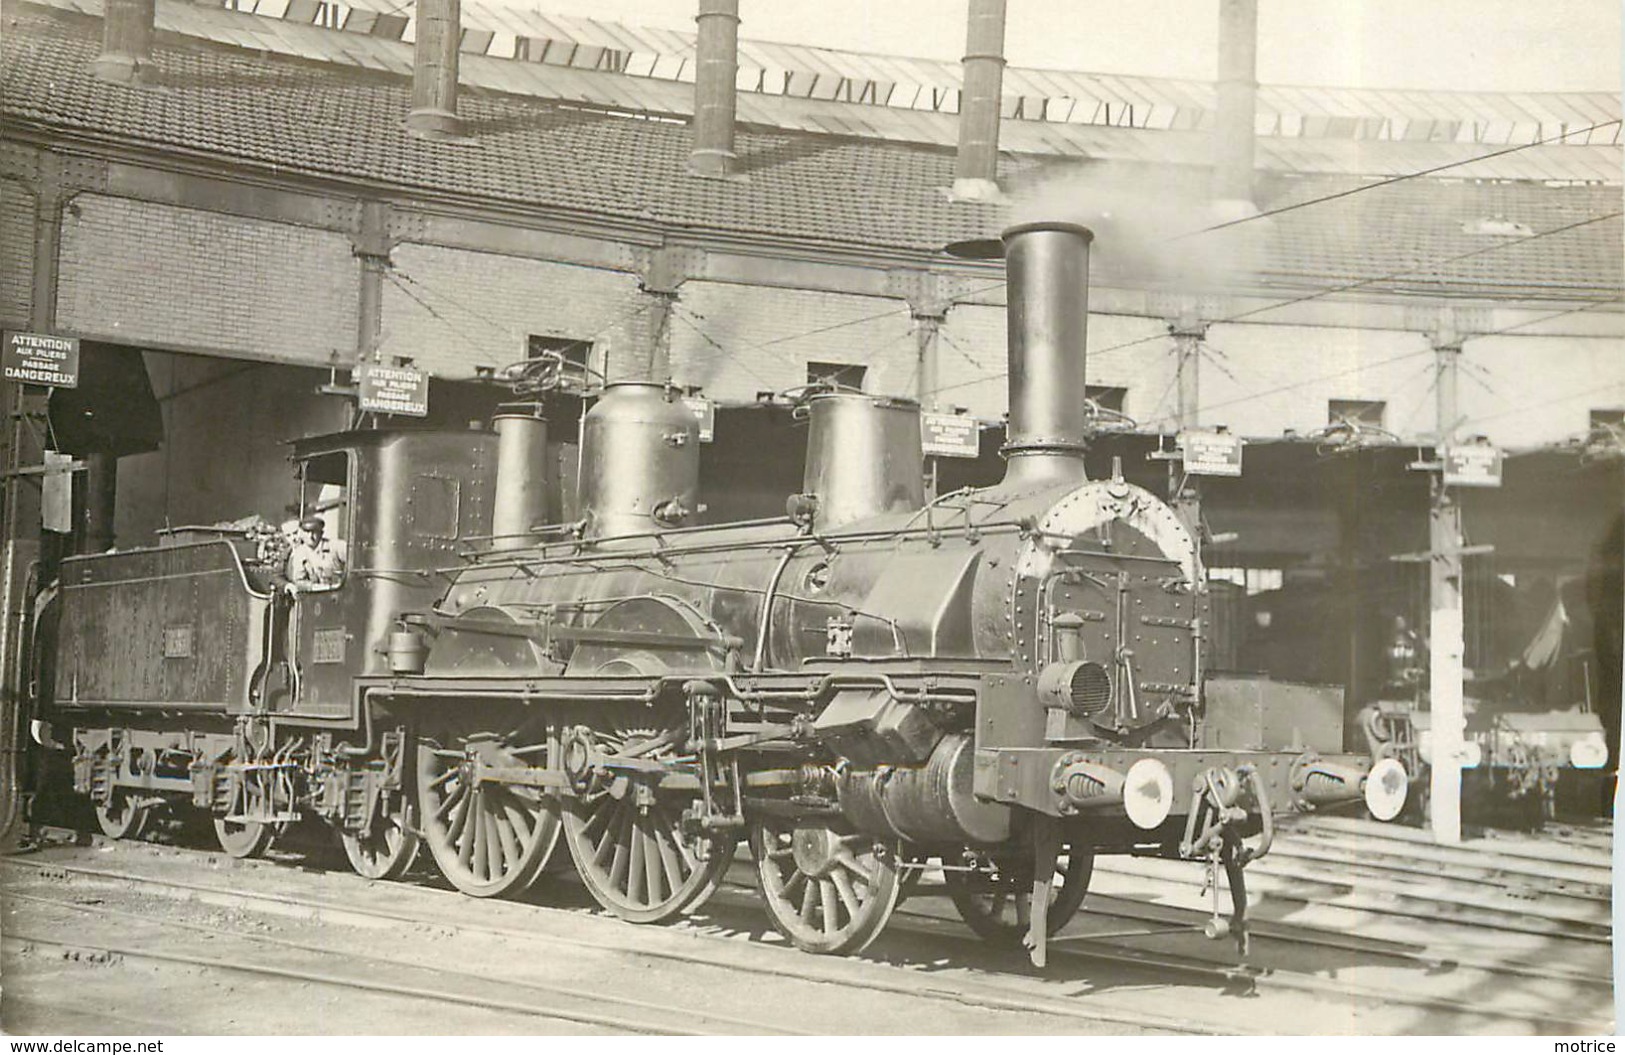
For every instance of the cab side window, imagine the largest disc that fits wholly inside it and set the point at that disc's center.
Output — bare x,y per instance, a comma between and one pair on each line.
320,550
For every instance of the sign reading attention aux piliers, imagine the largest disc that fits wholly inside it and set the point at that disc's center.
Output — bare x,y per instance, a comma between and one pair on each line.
41,359
1476,465
949,435
392,390
1210,453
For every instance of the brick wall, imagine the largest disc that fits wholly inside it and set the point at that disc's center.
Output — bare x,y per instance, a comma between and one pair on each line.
452,310
1522,390
737,340
1262,380
153,274
16,249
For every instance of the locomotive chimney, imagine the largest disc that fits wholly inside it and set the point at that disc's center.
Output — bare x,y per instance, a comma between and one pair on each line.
1047,266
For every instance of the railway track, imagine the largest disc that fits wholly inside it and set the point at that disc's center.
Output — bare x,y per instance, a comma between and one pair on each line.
564,1004
1263,971
1531,996
705,951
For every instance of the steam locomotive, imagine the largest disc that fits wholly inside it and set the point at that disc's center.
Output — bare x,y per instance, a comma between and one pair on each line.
1004,681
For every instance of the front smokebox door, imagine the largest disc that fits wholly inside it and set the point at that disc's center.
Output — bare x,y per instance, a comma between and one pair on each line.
1133,617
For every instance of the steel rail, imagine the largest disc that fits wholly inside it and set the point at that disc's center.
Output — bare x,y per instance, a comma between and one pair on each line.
389,961
1487,874
1421,839
341,982
1269,930
1477,912
1084,948
807,969
473,976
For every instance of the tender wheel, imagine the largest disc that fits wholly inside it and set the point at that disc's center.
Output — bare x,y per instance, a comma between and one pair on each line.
628,840
490,840
241,839
387,850
998,905
123,818
825,890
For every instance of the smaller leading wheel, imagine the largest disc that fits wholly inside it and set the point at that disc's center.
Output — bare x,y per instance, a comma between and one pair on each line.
826,889
387,849
997,903
125,817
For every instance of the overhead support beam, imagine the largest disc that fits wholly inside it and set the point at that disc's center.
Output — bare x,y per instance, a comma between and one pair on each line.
716,72
371,245
434,70
976,168
1233,129
127,29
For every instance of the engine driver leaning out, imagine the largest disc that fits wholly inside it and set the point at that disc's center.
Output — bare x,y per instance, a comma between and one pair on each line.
316,561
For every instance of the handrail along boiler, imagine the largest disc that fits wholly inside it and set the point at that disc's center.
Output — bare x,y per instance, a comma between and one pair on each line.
1007,679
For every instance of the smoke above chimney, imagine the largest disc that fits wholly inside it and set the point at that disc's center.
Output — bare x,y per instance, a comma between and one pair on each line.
715,75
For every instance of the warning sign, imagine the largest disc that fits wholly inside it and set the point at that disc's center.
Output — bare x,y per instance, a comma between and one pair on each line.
1477,465
949,435
41,359
392,390
1210,453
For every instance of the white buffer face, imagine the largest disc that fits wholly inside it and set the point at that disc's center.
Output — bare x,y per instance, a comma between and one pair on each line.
1590,752
1385,789
1148,793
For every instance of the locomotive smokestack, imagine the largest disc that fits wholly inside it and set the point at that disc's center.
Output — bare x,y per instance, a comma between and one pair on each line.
1047,265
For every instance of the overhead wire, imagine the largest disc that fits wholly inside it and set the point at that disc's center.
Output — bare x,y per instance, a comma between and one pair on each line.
1391,180
1350,286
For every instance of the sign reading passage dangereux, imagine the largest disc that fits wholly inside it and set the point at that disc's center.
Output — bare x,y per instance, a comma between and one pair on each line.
1475,465
1210,453
949,435
384,389
41,359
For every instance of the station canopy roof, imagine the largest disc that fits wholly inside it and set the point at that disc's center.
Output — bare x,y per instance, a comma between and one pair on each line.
591,120
1046,111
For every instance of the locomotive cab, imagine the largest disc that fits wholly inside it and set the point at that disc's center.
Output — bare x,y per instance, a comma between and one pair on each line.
400,504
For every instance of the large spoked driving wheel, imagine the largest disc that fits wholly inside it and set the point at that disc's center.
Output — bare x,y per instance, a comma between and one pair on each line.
996,902
826,890
124,817
627,836
387,849
489,839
